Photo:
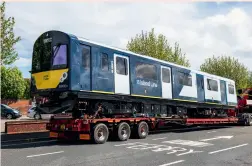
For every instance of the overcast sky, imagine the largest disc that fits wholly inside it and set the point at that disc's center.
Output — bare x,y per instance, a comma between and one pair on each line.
201,29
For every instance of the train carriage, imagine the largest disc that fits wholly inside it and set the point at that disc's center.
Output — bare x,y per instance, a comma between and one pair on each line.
65,63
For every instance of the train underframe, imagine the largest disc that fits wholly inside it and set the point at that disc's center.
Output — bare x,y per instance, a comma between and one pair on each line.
96,116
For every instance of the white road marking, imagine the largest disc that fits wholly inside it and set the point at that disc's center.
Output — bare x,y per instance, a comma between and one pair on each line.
159,138
28,143
44,154
179,151
219,137
188,143
133,143
228,148
189,152
175,162
244,128
211,131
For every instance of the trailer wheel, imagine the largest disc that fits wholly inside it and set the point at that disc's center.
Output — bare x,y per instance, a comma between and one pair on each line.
123,131
248,122
100,133
142,130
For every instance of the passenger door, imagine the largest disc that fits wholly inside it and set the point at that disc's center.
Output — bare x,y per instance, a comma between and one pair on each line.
166,82
223,92
200,88
121,73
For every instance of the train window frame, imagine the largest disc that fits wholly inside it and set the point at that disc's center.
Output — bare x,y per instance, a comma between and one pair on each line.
231,91
166,79
210,87
86,65
185,79
106,67
63,65
125,66
142,76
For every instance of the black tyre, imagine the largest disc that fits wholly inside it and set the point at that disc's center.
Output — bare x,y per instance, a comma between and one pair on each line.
37,116
248,122
142,130
9,116
123,131
100,133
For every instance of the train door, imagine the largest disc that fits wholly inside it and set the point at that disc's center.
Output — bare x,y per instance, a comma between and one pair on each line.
166,82
200,88
122,82
85,67
223,92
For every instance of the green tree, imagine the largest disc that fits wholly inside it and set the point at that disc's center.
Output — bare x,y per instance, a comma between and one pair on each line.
250,79
27,89
157,46
12,83
8,39
228,67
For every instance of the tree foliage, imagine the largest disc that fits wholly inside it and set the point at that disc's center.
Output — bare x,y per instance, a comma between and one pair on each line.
27,89
228,67
8,39
157,46
250,79
12,83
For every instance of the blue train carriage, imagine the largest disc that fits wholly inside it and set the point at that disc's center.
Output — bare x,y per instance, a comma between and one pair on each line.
69,69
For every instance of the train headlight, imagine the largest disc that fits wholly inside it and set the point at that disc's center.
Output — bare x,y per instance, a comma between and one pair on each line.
63,77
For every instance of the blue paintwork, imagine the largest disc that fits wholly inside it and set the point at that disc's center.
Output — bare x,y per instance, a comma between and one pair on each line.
177,87
152,88
212,101
200,87
85,73
74,69
102,80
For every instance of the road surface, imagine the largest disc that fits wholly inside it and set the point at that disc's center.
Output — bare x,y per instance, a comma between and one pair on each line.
231,146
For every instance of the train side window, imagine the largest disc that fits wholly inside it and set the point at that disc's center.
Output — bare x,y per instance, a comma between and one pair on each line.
185,79
212,85
121,66
166,75
86,57
231,89
146,71
104,62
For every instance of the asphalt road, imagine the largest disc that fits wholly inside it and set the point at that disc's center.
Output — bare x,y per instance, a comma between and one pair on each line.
230,146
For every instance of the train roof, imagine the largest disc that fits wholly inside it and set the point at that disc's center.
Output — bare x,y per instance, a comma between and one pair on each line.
151,58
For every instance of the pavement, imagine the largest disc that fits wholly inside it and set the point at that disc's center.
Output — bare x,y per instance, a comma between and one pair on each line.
229,146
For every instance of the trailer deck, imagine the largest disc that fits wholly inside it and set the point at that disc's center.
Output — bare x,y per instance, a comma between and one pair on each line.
121,128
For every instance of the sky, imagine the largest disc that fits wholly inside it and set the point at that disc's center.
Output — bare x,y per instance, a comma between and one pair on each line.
201,29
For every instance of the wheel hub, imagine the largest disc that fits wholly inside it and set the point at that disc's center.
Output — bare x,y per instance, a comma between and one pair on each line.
124,132
100,135
143,132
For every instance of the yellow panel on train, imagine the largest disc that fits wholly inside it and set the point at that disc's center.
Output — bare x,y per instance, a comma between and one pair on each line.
48,79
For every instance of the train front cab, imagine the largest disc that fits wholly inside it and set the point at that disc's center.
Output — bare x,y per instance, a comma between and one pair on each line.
51,71
50,62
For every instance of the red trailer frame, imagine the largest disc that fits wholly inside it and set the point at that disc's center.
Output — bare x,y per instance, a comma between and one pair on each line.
98,130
